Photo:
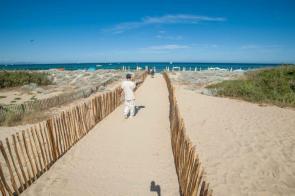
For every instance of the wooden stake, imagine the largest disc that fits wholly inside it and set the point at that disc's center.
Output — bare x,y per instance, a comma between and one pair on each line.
46,150
51,139
9,168
30,176
2,190
21,182
19,161
46,135
28,154
38,170
37,151
41,148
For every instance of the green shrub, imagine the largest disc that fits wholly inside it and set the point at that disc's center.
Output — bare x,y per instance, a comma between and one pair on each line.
10,119
19,78
273,85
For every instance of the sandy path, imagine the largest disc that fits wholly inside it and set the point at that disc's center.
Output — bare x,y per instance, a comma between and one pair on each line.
246,149
119,156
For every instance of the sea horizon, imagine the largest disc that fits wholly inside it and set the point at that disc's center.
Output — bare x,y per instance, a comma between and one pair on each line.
159,66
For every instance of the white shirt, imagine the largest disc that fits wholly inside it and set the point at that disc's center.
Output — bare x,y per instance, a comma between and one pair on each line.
128,87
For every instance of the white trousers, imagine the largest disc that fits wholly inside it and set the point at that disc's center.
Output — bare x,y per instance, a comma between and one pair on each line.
129,107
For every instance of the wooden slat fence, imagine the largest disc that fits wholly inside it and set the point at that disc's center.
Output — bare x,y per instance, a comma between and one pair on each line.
42,104
188,167
26,155
19,110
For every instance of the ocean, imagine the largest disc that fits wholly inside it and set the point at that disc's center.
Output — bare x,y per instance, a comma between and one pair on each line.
159,66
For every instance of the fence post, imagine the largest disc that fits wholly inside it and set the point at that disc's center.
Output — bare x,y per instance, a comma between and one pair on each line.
51,139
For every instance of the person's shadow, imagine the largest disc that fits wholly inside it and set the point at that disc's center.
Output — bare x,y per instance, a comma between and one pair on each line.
138,108
155,188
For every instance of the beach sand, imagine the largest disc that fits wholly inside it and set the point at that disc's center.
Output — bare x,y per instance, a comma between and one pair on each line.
119,156
245,149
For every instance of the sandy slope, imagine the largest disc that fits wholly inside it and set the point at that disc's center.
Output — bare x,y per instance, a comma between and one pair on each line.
246,149
119,156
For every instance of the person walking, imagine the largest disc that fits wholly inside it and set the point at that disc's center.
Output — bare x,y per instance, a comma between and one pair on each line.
128,87
152,73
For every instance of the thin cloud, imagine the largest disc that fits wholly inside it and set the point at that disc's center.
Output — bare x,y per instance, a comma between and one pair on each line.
166,19
204,46
122,27
165,36
255,46
180,18
167,47
169,37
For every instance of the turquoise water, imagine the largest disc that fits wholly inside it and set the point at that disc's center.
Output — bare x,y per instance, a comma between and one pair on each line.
158,65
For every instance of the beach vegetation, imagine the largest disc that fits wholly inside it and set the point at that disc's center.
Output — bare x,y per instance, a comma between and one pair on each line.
271,86
10,119
20,78
33,98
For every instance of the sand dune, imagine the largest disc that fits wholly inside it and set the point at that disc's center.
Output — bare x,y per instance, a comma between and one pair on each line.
246,149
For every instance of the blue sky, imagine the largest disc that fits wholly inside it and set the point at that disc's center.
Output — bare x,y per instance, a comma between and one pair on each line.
261,31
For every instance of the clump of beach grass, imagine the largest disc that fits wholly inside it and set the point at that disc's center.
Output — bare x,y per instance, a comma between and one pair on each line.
19,78
272,86
33,98
11,118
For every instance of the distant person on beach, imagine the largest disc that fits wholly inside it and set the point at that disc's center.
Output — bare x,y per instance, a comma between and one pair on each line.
152,73
128,87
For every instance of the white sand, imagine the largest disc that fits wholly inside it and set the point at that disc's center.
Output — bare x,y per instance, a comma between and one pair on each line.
119,156
246,149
